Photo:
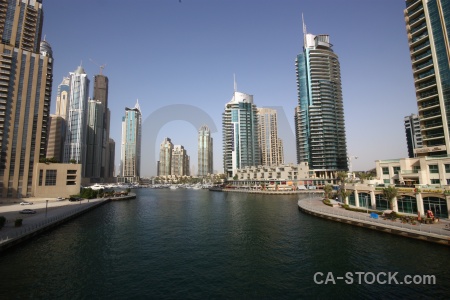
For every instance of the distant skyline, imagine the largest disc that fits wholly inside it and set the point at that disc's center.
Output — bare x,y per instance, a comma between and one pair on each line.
164,52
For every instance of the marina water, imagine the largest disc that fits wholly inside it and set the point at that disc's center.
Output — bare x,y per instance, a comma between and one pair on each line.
192,244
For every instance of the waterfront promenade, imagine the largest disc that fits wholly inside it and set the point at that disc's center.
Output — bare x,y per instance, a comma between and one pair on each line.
271,192
437,232
48,215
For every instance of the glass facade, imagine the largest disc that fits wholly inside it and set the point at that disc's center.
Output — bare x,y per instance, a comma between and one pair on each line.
319,117
437,205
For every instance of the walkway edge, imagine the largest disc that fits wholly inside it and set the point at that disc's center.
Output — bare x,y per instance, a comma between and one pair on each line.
429,237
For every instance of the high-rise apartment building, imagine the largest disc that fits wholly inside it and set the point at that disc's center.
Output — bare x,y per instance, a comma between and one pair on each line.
130,163
240,134
94,140
57,130
319,116
427,26
205,151
165,158
101,85
179,162
25,96
271,146
413,135
62,98
75,144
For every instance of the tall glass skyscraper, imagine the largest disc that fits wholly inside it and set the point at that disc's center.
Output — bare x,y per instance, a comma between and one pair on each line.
77,108
130,162
428,28
25,95
94,140
240,134
205,151
319,116
165,157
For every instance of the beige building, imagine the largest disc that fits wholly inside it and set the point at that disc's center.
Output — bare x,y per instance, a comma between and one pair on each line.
57,180
25,95
180,161
56,137
271,146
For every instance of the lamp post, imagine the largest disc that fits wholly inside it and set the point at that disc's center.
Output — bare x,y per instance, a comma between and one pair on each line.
46,205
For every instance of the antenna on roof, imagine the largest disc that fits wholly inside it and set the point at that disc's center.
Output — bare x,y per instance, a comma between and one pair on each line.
304,31
235,84
100,66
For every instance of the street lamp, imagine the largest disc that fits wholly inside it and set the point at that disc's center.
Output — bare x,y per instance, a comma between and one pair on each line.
46,205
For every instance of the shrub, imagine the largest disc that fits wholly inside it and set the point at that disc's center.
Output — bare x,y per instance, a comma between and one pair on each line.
18,222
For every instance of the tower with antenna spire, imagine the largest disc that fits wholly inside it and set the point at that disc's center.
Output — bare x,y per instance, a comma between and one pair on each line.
240,133
319,116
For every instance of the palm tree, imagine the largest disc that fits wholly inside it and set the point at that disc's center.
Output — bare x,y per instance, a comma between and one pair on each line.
341,177
390,193
327,190
344,194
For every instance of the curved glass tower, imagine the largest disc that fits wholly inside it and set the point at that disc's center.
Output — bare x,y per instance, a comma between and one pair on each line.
319,116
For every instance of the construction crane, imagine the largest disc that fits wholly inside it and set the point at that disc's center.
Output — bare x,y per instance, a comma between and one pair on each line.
98,65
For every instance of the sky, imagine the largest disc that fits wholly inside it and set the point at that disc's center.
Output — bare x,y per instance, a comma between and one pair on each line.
178,59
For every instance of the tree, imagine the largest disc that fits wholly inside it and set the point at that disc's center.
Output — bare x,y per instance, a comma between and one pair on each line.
390,193
344,194
341,177
328,189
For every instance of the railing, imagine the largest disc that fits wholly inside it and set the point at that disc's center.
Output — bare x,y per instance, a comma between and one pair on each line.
25,230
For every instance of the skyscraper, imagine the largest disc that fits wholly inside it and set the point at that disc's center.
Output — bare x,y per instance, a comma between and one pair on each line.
271,145
165,157
319,116
55,146
130,163
413,135
427,25
25,95
62,98
240,134
75,145
94,140
101,85
205,151
179,162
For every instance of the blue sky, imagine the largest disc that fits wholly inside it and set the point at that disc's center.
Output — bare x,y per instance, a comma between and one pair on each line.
169,55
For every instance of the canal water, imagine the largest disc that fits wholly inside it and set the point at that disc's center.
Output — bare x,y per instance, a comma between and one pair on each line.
195,244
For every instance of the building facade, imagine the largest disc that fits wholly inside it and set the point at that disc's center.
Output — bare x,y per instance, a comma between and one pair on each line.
240,134
75,144
94,140
179,162
319,116
413,135
101,87
62,98
56,137
428,36
130,163
271,146
25,95
165,158
205,151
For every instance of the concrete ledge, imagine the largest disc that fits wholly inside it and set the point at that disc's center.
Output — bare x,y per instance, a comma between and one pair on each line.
274,192
429,237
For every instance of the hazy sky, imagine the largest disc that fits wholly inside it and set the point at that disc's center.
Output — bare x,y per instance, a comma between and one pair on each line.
178,59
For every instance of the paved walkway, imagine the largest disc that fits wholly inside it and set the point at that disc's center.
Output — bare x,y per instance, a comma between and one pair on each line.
436,230
55,211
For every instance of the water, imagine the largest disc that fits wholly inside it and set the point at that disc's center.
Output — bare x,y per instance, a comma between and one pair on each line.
192,244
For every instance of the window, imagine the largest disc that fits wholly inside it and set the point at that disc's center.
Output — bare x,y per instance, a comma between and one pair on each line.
396,170
433,169
385,170
416,169
435,181
447,168
41,175
50,177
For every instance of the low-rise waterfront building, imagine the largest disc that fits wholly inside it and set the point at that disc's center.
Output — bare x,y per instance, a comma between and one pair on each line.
57,180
